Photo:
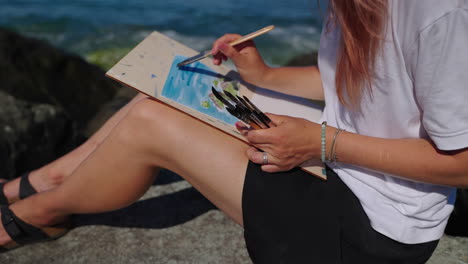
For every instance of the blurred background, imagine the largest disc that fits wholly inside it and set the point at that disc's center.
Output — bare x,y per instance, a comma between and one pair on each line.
103,30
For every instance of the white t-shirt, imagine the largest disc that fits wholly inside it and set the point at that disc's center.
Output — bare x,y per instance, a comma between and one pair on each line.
420,90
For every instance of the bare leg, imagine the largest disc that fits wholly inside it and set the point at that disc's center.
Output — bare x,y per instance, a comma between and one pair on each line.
151,136
52,174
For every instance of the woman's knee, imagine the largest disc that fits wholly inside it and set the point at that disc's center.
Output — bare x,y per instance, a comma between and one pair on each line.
148,112
146,121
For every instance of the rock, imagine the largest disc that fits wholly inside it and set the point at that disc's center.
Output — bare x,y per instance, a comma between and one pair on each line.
36,72
32,135
170,224
123,96
304,60
48,99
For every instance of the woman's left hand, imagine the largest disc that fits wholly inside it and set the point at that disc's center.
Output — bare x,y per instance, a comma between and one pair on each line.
289,144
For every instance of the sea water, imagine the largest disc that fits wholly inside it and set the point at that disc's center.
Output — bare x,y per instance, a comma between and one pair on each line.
87,26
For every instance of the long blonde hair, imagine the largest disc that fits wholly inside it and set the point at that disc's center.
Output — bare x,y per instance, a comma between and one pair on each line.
362,24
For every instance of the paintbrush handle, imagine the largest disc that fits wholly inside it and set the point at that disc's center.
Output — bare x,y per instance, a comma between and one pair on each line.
252,35
204,54
232,44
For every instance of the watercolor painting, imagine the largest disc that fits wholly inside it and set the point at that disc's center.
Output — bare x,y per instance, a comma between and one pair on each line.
191,86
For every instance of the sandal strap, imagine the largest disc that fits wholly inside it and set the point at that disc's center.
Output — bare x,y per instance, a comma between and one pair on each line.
18,230
26,189
3,199
3,249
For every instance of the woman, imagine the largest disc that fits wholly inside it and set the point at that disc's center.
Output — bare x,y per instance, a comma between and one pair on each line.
392,74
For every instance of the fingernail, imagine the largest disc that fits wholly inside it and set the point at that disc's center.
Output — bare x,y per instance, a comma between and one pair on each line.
223,46
239,125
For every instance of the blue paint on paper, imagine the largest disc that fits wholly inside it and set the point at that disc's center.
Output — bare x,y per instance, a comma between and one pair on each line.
191,86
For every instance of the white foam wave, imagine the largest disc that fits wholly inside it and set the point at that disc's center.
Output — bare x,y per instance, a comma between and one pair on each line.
198,43
300,38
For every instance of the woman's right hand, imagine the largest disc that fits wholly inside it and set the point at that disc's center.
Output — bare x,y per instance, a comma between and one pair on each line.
245,56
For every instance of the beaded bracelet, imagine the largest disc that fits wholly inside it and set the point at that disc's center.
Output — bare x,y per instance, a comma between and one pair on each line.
323,145
323,142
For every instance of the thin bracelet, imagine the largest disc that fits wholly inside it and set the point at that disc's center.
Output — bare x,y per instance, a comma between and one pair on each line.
323,142
333,150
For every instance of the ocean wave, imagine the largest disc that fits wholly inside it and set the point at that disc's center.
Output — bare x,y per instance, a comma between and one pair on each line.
277,47
90,26
299,37
198,43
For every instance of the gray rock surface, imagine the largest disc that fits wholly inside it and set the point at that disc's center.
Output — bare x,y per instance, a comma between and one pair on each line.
32,134
47,99
451,250
172,223
34,71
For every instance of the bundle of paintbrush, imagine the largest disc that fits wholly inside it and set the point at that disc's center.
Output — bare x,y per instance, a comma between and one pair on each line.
243,109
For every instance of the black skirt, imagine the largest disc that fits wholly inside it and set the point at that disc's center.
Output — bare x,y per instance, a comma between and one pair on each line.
294,217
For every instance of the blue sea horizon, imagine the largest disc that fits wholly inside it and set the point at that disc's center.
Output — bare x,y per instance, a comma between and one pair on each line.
84,26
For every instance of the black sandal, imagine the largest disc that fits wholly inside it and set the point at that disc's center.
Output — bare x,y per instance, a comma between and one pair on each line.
25,189
23,233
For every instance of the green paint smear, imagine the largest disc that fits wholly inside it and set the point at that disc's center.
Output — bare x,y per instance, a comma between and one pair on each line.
205,104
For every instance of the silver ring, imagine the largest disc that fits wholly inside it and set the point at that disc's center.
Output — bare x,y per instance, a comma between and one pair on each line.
265,158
